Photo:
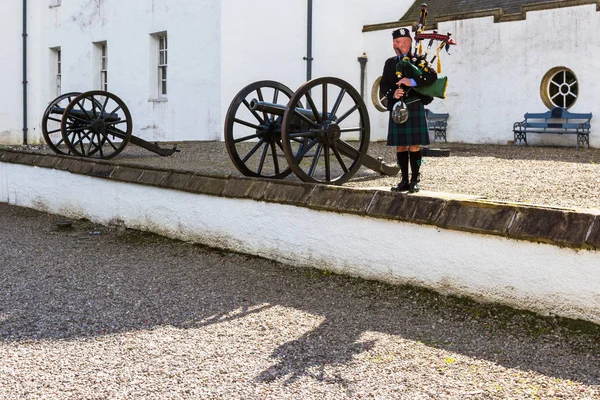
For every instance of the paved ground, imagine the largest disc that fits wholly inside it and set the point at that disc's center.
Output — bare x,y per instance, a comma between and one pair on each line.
105,313
557,176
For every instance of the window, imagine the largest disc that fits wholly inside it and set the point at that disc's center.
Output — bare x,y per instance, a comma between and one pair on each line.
55,71
158,83
559,88
162,65
100,65
59,72
103,67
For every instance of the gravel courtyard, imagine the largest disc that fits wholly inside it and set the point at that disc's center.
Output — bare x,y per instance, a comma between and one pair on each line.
556,176
95,312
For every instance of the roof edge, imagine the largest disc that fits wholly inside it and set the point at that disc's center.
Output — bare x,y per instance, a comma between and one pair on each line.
497,13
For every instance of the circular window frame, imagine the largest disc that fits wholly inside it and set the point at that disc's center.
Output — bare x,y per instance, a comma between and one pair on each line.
378,98
549,79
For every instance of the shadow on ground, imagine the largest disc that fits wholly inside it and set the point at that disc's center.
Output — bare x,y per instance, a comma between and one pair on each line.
77,283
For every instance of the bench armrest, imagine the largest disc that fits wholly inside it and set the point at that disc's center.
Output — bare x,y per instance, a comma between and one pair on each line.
584,126
518,125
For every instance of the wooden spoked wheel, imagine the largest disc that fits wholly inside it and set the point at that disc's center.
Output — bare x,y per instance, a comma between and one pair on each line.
51,122
253,137
96,124
333,131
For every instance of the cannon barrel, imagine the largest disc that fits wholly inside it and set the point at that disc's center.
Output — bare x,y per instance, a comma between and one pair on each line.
278,109
82,114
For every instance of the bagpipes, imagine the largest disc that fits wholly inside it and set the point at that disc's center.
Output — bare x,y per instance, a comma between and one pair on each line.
405,68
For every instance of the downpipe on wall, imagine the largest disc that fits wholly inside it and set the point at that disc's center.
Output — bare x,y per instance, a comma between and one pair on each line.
24,71
363,66
309,58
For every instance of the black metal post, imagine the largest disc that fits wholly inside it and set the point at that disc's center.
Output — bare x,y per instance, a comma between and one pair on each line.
309,57
24,71
363,65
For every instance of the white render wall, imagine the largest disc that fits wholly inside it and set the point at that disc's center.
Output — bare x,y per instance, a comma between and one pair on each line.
215,49
11,73
266,40
218,47
532,276
192,111
193,29
496,70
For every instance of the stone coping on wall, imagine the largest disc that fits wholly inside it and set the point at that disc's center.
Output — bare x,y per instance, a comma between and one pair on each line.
498,14
572,228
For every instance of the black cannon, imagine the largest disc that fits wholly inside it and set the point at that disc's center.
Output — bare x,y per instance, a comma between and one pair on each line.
95,124
321,132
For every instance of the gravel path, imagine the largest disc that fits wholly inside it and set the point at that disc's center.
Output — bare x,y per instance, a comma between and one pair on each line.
556,176
107,313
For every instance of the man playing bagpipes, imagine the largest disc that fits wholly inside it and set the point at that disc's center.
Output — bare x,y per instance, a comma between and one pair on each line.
410,83
410,135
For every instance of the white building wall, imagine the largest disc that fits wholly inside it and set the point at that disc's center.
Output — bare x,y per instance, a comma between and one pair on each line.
339,39
191,111
261,40
37,68
496,70
11,73
216,48
267,40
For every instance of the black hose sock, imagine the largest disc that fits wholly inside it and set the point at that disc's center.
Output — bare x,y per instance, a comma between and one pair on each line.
415,165
403,164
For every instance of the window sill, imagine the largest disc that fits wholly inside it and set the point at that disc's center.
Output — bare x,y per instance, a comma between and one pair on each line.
161,100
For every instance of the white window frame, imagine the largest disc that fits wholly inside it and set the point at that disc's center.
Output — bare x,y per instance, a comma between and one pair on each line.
56,71
100,65
158,63
557,89
163,47
104,66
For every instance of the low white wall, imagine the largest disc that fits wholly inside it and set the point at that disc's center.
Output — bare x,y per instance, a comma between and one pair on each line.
526,275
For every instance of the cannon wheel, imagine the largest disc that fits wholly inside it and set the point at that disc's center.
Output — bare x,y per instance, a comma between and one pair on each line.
51,122
247,132
335,140
96,124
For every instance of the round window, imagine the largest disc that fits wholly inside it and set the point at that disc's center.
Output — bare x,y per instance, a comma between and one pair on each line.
559,88
379,99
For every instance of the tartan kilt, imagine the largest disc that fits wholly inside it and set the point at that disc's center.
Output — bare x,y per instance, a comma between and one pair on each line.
413,131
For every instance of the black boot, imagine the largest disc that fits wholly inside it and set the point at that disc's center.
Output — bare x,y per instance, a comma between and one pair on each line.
415,165
403,186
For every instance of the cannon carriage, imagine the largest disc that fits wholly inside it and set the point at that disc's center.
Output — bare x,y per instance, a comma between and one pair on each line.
321,132
94,124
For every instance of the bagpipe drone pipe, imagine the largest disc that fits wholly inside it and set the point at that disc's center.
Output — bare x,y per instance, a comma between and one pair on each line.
405,68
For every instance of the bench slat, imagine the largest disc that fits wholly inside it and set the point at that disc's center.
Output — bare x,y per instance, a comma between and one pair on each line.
545,115
555,125
577,116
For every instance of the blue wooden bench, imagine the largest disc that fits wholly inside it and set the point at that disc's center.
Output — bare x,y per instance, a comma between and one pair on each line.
437,124
557,121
